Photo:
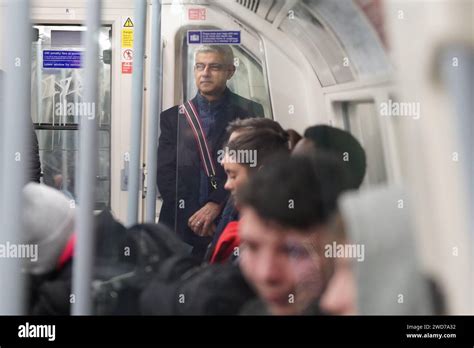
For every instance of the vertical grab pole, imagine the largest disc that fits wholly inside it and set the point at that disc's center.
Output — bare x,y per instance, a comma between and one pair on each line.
15,146
87,171
136,121
155,110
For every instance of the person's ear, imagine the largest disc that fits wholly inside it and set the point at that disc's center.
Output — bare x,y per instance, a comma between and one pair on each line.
231,72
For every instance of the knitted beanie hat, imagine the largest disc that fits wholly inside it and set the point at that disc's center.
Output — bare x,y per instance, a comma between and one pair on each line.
48,222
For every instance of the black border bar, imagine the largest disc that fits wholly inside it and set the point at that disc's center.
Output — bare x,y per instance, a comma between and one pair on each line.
316,330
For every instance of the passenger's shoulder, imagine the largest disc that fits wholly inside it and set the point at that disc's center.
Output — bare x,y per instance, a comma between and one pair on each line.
171,112
245,103
169,119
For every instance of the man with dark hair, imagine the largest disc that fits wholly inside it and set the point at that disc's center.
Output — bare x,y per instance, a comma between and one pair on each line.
342,144
285,209
189,181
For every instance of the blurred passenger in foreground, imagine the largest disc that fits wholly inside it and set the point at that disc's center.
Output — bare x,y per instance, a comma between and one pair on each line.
285,210
374,253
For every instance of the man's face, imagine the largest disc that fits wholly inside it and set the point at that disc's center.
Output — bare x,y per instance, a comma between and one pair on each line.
211,73
281,264
237,175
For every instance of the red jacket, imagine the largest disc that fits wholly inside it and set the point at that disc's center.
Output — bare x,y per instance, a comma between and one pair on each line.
68,251
226,243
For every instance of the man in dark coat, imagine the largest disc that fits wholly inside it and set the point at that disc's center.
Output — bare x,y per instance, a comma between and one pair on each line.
191,204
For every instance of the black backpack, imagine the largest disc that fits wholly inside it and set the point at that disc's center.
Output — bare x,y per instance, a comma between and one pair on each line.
119,282
188,288
125,260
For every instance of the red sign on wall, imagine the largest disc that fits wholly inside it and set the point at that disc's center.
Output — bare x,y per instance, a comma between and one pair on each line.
126,67
197,14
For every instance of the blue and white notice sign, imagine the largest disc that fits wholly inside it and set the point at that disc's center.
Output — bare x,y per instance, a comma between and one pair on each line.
56,59
213,37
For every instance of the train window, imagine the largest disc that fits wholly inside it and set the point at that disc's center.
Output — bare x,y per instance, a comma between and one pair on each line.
57,78
361,119
322,50
248,81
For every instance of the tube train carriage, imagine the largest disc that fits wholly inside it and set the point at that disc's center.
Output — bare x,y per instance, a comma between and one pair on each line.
396,75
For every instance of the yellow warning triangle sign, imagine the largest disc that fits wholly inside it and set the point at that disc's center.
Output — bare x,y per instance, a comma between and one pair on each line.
128,23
